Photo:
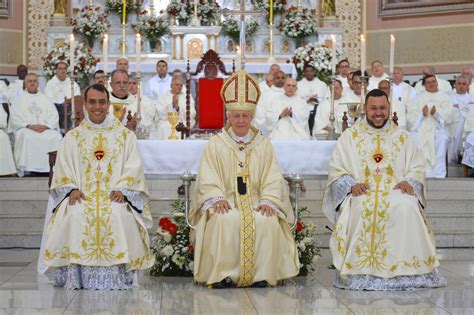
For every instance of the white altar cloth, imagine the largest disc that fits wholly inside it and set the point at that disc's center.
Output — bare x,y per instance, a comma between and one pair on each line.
162,157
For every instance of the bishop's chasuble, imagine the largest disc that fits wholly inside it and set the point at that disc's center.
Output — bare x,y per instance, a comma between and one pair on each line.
242,244
99,159
381,238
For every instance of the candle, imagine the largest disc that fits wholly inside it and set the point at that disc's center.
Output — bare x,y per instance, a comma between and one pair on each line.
138,49
105,52
333,55
392,53
362,54
124,11
72,48
270,16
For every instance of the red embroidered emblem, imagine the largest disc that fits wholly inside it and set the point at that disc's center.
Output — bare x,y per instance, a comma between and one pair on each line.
378,157
99,154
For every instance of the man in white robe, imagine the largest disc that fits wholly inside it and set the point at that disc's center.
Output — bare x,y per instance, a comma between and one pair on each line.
287,117
428,117
174,100
443,85
99,77
395,105
267,83
322,123
467,71
355,95
35,123
16,88
463,102
160,83
375,196
344,68
274,68
120,99
468,156
240,205
147,105
97,237
401,91
3,90
378,74
7,163
122,64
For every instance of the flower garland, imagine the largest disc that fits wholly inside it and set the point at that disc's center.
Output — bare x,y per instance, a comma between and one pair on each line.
231,28
305,238
298,23
116,6
316,55
91,21
179,9
84,62
151,27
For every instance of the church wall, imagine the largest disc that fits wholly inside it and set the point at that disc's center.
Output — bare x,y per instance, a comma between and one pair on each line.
12,39
442,40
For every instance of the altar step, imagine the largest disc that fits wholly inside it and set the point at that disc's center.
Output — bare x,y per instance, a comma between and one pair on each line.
23,204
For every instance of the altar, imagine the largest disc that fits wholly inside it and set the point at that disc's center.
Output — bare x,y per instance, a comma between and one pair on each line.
162,157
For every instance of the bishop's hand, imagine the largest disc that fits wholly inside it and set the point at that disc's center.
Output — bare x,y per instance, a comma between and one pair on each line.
221,206
266,210
405,187
433,111
76,196
359,189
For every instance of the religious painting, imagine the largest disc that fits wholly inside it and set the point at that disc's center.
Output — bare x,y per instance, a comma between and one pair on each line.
399,8
285,46
230,46
5,8
195,49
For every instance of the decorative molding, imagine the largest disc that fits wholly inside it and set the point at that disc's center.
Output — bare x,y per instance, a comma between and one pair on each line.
396,8
6,8
349,14
39,15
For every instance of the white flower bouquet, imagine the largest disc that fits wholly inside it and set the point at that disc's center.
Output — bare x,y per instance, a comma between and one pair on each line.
116,6
91,21
264,5
179,9
231,28
316,55
151,27
298,23
209,12
308,252
84,62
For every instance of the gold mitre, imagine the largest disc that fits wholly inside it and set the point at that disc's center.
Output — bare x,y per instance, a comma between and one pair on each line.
240,92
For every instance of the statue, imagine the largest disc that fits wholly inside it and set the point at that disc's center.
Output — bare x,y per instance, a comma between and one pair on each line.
230,46
285,46
60,7
328,8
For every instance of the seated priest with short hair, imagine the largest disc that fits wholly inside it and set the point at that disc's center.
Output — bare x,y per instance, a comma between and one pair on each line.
240,204
7,163
173,101
322,123
121,100
375,196
35,123
97,235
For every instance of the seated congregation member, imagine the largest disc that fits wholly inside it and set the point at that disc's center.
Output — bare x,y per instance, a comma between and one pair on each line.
7,163
240,205
428,116
378,74
34,122
322,122
174,100
287,117
375,196
97,235
395,105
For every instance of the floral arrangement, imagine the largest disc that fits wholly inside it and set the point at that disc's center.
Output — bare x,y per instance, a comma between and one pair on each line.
316,55
208,12
305,237
231,28
179,9
298,23
264,5
151,27
91,21
84,62
116,6
171,246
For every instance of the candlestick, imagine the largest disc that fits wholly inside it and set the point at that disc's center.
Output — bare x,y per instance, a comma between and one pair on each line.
72,48
362,54
105,52
392,54
333,55
138,49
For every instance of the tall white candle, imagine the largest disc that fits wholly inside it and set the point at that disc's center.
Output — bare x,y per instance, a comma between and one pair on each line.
72,48
333,56
392,53
138,50
105,52
362,54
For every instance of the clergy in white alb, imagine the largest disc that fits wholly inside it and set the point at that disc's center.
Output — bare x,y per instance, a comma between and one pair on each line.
428,116
443,85
375,197
265,101
3,90
147,105
467,71
287,118
396,107
34,122
174,100
7,163
240,205
401,91
16,87
97,237
468,136
160,83
344,68
322,123
378,74
355,94
120,99
267,83
462,102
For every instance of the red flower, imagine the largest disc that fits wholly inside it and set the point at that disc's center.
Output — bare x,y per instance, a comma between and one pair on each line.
299,226
190,248
167,225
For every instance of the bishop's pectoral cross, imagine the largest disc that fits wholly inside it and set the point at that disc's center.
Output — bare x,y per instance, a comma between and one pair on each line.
242,182
242,13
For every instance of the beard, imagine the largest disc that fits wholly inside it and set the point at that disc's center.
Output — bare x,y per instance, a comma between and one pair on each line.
374,126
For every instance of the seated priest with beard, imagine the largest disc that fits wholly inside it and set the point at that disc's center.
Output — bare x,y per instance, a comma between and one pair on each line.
240,204
97,236
375,196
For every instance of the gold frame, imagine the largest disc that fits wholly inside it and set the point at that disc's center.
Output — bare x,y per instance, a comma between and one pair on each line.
6,8
390,8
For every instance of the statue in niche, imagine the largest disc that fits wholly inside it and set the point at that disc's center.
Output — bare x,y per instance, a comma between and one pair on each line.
159,46
266,46
195,49
328,8
249,47
285,46
60,7
230,46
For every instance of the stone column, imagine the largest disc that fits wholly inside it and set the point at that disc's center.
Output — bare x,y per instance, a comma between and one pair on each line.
173,47
209,41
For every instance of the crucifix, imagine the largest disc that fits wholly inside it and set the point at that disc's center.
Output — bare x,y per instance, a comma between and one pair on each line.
242,13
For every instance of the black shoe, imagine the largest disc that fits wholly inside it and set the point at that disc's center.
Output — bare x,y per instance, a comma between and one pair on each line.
225,283
260,284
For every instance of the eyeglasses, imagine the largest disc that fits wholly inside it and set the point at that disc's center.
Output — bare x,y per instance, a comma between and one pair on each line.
121,82
356,82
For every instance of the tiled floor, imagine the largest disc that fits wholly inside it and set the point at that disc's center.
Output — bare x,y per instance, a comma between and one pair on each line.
22,291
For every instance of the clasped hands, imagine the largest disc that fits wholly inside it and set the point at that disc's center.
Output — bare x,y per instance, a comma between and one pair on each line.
38,128
222,207
426,110
360,188
286,112
77,195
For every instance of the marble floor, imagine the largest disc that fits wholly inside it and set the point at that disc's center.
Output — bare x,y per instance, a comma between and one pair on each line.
22,291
